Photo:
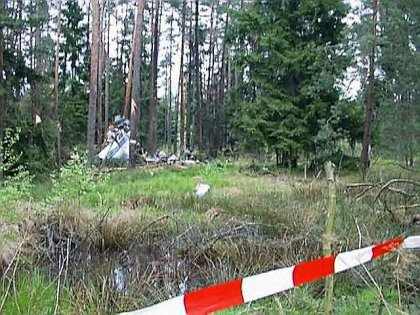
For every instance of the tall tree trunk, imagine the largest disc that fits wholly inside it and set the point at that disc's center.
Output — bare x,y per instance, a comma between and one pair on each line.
181,81
169,118
38,61
128,86
56,115
2,89
152,135
188,107
93,86
107,65
222,87
213,131
137,52
99,127
370,94
211,54
197,82
166,114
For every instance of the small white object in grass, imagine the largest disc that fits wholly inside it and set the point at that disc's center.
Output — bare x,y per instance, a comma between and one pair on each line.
201,189
119,281
412,242
152,174
189,162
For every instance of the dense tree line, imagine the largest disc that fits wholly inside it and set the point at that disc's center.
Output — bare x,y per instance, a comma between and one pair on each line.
260,77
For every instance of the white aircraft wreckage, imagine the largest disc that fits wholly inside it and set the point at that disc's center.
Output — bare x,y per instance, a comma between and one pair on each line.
118,148
118,141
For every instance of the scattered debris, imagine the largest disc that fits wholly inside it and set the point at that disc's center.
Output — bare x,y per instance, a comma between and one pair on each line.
162,156
173,159
118,147
152,160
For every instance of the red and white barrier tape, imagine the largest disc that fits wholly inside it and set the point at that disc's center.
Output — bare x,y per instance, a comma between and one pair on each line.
233,293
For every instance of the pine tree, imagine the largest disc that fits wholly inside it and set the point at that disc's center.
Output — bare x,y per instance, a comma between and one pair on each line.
292,63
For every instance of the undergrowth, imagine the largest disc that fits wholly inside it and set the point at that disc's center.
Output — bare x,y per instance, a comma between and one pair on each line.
88,229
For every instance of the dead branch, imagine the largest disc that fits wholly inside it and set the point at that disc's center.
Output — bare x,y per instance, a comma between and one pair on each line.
415,170
151,223
369,186
401,192
357,185
394,181
92,231
416,205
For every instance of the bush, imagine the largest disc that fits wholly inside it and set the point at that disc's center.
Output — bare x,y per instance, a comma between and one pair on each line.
75,179
15,180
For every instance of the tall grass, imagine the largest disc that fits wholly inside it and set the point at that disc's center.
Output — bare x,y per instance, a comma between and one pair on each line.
149,223
32,293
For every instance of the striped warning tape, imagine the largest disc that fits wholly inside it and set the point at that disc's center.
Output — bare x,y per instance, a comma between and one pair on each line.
233,293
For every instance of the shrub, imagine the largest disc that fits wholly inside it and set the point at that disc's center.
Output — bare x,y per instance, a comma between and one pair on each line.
75,179
15,180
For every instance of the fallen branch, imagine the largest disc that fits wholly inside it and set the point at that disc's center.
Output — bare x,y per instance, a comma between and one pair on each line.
415,170
394,181
151,223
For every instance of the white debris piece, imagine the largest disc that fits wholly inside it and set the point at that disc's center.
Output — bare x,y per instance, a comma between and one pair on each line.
152,160
162,154
201,190
119,279
189,162
117,149
172,159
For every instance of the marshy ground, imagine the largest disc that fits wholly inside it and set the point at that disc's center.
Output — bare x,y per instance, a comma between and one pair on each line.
99,243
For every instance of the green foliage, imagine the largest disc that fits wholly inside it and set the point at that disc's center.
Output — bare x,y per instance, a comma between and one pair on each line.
292,66
351,120
75,179
73,113
16,182
74,50
344,124
33,293
397,90
156,184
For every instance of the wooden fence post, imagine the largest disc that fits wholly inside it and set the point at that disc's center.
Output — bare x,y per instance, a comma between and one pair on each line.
328,235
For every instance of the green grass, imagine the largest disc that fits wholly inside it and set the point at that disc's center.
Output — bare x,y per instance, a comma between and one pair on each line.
32,293
159,183
283,219
346,302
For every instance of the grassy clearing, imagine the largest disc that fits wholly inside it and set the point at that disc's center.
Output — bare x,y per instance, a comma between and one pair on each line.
148,225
